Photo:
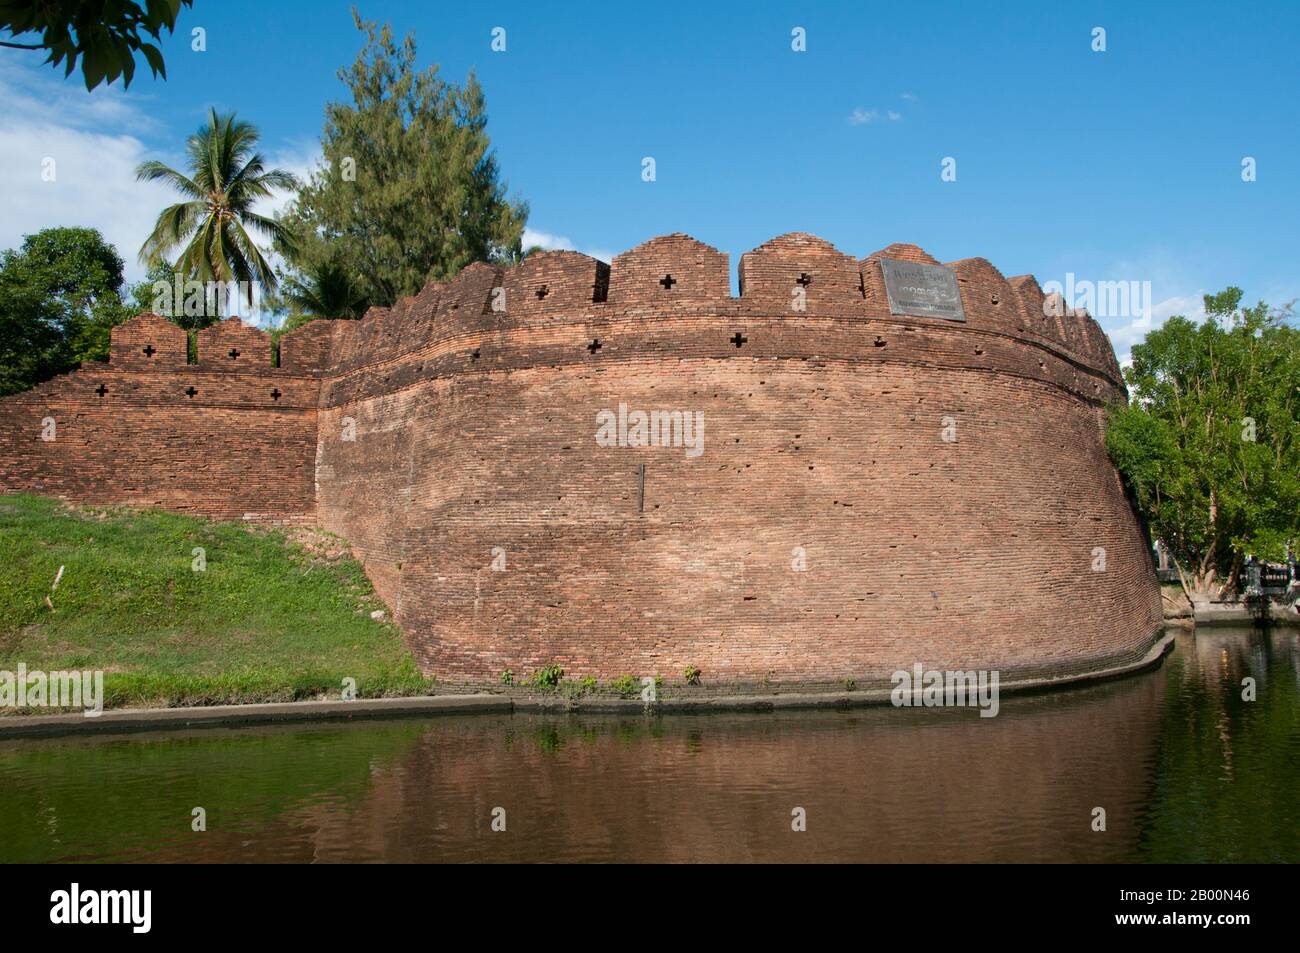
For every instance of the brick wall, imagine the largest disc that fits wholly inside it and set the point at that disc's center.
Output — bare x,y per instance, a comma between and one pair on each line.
229,438
473,417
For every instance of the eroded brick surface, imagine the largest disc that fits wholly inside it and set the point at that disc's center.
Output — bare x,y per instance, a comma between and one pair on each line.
473,438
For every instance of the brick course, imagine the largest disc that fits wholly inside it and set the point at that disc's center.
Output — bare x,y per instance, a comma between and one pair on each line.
475,433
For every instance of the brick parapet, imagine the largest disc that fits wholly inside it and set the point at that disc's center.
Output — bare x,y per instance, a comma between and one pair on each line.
483,308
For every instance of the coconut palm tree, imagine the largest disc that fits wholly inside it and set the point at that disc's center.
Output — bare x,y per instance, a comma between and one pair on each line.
326,290
226,178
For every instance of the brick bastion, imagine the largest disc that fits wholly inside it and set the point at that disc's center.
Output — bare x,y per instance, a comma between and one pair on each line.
868,489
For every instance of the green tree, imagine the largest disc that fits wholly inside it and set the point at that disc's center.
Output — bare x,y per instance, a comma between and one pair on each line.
325,290
1210,442
409,188
145,295
105,34
59,298
515,257
191,308
227,177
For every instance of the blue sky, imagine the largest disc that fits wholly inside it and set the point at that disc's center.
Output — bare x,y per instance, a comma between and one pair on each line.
1123,165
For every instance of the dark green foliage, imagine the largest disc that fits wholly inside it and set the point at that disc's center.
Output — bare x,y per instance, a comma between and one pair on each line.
1210,442
409,188
59,299
105,34
325,290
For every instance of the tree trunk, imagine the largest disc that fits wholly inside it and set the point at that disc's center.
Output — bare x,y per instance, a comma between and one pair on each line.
1230,584
1198,584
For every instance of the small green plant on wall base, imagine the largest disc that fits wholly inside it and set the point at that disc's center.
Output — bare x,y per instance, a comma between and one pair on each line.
626,686
576,688
548,679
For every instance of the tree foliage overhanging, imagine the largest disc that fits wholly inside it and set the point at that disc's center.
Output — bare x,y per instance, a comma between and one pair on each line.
105,35
409,189
1210,441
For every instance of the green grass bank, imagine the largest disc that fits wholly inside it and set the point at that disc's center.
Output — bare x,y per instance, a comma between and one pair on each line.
180,611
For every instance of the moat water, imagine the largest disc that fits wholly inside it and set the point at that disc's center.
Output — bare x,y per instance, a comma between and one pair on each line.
1185,769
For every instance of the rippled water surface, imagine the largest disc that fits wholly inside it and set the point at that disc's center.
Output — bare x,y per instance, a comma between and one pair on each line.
1184,767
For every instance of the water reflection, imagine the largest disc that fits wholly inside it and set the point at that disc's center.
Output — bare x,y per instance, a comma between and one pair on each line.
1185,769
1229,767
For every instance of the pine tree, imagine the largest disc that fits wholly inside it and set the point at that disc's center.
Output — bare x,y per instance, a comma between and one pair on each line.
409,188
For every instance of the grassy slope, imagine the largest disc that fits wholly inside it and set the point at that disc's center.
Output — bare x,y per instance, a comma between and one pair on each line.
264,622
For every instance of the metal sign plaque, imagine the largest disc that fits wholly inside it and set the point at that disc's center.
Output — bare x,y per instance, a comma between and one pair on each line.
929,291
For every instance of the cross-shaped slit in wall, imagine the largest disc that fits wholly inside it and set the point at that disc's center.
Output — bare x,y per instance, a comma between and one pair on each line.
234,353
595,345
738,339
101,390
542,292
668,281
149,351
275,394
190,391
804,279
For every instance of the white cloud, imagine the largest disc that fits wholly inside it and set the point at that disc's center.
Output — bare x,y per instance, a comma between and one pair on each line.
85,142
301,159
36,91
551,242
546,240
910,97
861,116
1161,283
1123,337
1190,306
94,140
94,185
